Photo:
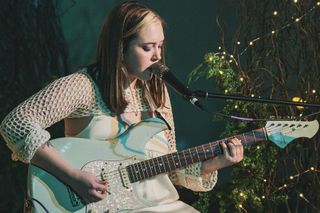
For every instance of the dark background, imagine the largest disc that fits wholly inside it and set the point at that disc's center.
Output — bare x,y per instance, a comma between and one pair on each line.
25,25
191,32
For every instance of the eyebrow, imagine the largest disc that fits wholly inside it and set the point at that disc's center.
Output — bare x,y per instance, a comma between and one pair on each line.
144,43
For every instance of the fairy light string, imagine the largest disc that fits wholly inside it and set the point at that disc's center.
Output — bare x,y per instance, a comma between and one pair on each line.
284,186
275,13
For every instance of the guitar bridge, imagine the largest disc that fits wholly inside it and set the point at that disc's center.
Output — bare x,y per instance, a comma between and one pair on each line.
124,176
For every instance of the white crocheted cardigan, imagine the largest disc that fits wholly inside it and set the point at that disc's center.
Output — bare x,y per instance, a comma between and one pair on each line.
77,95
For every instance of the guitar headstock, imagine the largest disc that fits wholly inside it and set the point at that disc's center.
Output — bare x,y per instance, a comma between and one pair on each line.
283,132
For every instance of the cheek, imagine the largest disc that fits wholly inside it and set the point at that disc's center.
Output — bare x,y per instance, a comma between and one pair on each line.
138,62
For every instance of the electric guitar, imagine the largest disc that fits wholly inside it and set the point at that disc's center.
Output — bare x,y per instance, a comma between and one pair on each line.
123,163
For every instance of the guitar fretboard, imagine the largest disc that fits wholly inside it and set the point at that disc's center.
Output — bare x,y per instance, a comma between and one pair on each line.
169,162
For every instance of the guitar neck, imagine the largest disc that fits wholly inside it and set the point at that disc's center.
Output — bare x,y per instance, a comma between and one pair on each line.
166,163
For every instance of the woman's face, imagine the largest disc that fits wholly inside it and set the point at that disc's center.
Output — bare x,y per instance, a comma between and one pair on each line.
144,50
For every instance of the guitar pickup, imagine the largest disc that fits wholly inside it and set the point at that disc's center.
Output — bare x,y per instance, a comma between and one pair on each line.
124,177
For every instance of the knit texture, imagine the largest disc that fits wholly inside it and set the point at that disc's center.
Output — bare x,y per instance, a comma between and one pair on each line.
74,96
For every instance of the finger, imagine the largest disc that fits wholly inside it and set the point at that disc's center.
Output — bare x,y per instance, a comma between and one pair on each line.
104,182
232,149
225,150
237,145
98,195
101,187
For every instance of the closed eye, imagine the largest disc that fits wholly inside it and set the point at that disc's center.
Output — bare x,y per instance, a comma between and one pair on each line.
147,49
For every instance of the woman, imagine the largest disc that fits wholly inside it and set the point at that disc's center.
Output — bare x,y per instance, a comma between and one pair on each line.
101,100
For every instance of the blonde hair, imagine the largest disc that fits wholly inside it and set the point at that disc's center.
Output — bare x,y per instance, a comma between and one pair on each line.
119,29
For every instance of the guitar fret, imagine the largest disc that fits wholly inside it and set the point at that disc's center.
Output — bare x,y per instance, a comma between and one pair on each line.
190,156
163,164
168,162
178,163
154,166
185,159
204,151
255,139
150,166
159,164
245,138
145,169
208,151
199,159
173,163
143,176
137,171
179,159
131,173
217,149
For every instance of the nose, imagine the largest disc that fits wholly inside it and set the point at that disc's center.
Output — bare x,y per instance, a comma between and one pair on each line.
156,54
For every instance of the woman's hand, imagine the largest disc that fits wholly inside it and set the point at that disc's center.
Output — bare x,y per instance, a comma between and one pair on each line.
232,153
88,187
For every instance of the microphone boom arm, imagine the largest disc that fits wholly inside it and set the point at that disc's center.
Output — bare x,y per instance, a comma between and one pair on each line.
204,94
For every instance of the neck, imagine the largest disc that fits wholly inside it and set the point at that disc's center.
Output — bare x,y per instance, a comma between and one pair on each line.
166,163
131,81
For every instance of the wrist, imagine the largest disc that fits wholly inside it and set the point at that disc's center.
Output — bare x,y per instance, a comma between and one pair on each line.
71,174
211,165
208,166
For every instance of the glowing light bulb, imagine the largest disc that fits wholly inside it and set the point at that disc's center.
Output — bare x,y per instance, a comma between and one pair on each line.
313,91
238,42
219,48
273,32
295,1
241,194
275,13
301,195
241,79
291,177
251,43
312,168
297,20
236,106
263,197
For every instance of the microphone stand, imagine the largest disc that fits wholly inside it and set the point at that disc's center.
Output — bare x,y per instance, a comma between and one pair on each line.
205,94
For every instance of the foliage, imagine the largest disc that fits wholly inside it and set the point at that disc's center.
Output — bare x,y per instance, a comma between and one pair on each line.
261,182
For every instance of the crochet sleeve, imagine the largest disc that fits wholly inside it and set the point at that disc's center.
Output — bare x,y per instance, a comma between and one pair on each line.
23,129
190,177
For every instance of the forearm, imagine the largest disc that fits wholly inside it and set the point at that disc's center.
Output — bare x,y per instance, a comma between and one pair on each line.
49,159
210,165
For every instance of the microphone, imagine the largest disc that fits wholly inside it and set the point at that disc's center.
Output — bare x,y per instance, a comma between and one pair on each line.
163,72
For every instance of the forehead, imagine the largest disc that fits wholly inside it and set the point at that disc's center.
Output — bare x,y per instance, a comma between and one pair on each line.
152,32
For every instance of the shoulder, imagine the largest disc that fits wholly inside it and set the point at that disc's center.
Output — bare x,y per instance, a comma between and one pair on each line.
79,79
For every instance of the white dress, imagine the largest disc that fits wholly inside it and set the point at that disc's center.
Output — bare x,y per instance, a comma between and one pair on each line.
77,96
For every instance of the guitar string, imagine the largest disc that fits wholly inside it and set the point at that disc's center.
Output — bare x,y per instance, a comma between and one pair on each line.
187,156
115,173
